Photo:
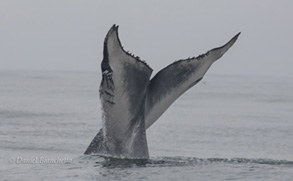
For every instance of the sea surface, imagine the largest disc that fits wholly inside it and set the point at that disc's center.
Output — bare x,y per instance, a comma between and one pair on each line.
224,128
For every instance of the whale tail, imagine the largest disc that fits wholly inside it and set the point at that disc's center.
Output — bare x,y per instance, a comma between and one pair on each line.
97,145
172,81
122,92
131,102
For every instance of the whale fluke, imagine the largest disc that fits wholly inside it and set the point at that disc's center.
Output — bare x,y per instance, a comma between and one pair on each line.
172,81
131,102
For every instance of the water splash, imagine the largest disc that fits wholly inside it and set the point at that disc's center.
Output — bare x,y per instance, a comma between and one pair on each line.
185,161
109,162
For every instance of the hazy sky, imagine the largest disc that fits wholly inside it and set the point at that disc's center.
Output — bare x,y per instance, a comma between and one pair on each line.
69,34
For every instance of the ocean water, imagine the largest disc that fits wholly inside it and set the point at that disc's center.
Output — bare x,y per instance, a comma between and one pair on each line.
224,128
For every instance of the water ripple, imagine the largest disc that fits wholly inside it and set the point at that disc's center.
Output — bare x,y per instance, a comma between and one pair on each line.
109,162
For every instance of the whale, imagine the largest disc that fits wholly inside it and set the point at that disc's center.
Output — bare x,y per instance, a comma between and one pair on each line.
132,101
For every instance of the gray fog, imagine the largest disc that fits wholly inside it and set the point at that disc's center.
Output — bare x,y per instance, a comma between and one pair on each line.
68,35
